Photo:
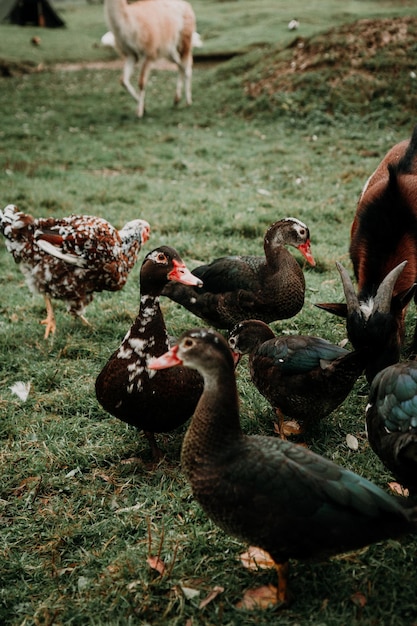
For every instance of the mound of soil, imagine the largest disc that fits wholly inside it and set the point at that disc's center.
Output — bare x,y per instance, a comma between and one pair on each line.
364,49
15,68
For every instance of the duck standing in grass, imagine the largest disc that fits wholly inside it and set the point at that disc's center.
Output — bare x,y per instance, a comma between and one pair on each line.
391,421
70,258
266,491
154,402
235,288
304,378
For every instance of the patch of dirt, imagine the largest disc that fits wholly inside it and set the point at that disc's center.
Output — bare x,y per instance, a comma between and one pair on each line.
116,64
16,68
89,65
346,50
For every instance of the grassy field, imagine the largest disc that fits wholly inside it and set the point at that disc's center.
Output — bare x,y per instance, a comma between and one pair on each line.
82,505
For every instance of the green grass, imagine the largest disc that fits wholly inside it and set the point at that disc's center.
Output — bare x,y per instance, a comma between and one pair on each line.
82,506
226,26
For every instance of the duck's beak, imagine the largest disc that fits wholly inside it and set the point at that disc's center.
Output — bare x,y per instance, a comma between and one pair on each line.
236,357
305,250
182,274
168,359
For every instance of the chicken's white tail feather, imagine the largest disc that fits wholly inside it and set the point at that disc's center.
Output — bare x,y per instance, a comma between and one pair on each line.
49,248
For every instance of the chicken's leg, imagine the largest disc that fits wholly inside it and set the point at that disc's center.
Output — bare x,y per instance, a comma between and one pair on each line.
49,321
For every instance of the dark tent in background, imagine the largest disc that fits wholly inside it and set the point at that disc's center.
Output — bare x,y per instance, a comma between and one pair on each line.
30,12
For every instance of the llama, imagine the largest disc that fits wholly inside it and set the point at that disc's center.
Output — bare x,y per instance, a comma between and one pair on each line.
148,30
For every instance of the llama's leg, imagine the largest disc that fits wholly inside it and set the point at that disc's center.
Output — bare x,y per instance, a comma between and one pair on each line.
185,71
143,79
128,70
188,73
175,57
180,83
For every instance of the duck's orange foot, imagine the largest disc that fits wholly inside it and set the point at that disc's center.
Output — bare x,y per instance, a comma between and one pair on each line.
283,598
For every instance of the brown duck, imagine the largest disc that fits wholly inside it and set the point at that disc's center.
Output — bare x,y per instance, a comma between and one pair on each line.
269,492
304,378
235,288
154,402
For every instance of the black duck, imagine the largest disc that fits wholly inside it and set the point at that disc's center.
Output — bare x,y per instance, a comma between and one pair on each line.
154,402
269,492
235,288
391,420
304,378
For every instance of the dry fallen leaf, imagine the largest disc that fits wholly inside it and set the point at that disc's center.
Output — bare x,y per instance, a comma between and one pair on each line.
359,599
352,442
27,483
211,596
156,563
129,509
132,586
260,598
189,592
289,427
399,489
256,558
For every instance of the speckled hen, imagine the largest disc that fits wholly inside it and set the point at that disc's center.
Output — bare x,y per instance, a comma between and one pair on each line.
151,401
268,288
70,258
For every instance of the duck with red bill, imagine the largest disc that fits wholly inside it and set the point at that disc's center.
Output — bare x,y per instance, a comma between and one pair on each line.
155,402
169,359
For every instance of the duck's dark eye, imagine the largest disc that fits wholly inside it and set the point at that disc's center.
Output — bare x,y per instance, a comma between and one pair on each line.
302,232
161,257
188,343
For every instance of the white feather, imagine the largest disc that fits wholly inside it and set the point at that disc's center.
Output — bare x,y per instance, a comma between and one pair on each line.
21,390
49,248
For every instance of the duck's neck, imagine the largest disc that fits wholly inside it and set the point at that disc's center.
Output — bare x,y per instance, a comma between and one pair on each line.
149,326
275,254
215,425
263,333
